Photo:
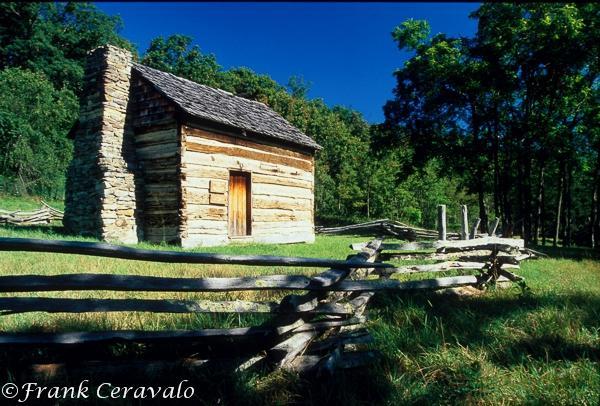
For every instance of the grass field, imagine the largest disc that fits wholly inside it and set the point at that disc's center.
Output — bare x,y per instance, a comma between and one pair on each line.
27,203
502,347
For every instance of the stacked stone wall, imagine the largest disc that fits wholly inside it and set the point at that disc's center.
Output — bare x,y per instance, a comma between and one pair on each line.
101,181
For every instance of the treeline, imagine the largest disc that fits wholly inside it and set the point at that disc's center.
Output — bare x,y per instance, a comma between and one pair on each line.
494,121
515,108
43,47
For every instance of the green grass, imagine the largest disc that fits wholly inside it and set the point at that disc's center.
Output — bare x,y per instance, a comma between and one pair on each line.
8,202
502,347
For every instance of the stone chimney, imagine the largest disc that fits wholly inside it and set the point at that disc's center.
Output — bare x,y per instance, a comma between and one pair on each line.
100,196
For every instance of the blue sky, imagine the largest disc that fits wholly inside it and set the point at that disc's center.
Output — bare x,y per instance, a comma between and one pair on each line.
344,49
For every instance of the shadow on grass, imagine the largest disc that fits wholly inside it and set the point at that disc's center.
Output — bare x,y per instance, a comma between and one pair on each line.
575,253
514,329
218,384
215,382
54,229
433,344
430,329
159,364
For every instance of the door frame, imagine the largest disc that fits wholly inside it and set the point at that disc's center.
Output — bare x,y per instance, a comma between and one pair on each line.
248,176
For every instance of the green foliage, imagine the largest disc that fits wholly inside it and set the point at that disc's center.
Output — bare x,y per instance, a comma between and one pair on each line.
54,38
411,33
43,47
177,56
298,87
514,110
424,189
34,119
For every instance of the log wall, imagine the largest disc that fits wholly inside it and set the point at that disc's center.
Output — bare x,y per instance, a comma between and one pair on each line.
158,155
282,189
157,148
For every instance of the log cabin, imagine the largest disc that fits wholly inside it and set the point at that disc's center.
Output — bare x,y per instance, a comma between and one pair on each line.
160,158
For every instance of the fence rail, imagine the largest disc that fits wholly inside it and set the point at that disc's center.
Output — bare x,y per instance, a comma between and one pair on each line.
387,227
44,215
116,251
319,328
297,320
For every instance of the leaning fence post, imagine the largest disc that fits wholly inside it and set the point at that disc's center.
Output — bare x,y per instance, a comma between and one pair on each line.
442,222
494,227
475,228
464,231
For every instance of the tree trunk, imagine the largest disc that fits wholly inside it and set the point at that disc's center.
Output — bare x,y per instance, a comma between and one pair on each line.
527,195
594,215
543,213
539,201
368,199
597,225
559,203
495,159
507,219
568,207
482,209
522,212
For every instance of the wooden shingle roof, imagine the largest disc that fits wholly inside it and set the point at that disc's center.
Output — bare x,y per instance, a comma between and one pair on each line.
222,107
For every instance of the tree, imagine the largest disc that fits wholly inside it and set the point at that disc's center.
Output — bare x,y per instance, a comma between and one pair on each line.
54,38
299,87
506,108
178,56
34,118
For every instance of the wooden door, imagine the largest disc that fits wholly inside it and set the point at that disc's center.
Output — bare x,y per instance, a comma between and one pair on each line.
239,204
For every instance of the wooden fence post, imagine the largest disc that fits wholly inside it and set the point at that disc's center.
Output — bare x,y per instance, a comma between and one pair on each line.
494,227
475,228
464,230
442,222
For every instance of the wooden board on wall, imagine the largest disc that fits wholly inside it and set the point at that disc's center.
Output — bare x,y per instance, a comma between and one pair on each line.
195,196
279,190
278,215
281,202
199,135
198,161
202,171
206,211
238,152
282,185
279,180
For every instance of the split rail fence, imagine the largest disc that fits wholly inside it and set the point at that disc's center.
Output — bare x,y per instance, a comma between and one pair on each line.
403,231
44,215
318,326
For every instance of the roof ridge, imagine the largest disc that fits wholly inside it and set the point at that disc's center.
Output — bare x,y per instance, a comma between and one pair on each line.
218,89
182,78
